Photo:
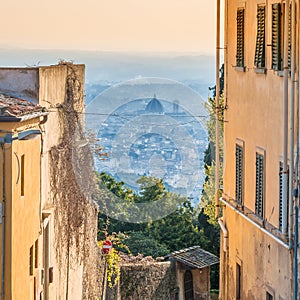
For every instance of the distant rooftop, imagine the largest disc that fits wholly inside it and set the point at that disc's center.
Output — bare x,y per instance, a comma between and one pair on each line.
154,106
12,108
195,257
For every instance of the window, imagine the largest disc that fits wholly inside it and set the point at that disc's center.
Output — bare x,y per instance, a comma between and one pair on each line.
259,60
238,281
46,260
239,173
188,286
269,296
278,21
31,261
240,21
259,191
281,194
276,37
22,174
36,253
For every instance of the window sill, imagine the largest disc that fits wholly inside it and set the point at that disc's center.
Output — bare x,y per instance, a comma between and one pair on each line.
280,73
260,70
240,69
257,220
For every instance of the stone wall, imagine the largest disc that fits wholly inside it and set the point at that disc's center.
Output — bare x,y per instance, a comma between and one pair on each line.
147,281
20,82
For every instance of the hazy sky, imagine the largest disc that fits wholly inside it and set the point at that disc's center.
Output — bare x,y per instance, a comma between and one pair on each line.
126,25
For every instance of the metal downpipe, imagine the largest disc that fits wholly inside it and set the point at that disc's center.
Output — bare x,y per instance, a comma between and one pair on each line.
217,146
292,126
295,271
285,122
225,234
3,223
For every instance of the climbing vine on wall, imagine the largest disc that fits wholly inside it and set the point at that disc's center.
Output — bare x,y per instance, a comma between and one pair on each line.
71,187
113,259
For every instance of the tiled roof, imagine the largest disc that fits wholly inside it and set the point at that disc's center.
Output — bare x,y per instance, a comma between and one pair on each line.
19,108
195,257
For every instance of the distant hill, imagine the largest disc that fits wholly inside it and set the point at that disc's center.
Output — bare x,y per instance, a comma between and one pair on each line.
108,67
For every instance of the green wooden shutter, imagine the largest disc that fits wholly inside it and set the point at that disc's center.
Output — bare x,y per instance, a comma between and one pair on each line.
280,194
239,174
259,193
259,59
276,36
240,38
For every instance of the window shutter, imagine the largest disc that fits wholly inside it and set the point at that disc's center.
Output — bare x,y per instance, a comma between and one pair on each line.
280,195
259,60
259,195
240,38
276,36
239,174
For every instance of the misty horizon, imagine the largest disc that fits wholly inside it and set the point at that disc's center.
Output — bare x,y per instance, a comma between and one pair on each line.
117,66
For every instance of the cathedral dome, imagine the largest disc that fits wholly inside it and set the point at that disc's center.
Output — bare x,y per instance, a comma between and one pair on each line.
154,106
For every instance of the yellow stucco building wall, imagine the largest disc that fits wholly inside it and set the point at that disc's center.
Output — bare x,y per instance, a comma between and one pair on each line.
257,263
21,170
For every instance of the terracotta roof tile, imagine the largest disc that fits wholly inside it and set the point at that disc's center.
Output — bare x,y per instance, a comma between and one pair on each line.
195,257
15,107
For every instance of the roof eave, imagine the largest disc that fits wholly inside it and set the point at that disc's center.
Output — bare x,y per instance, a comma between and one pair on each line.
9,119
15,119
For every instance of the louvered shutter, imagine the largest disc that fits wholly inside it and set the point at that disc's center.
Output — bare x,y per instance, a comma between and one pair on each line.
259,195
240,38
280,194
276,36
239,174
259,60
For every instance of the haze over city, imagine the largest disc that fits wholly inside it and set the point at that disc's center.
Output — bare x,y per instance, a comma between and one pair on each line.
127,25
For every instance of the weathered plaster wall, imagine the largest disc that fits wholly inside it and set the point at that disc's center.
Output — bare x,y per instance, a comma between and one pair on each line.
25,217
54,82
76,255
265,264
201,281
20,82
22,218
52,90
